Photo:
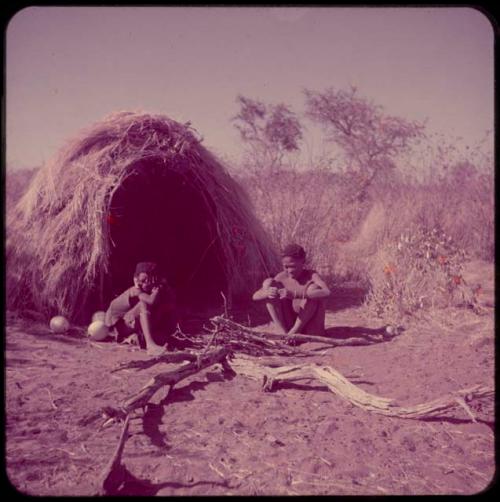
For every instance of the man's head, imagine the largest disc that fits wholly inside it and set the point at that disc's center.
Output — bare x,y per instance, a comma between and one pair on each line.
293,259
145,276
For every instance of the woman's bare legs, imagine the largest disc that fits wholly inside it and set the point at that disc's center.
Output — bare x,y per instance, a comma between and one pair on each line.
152,347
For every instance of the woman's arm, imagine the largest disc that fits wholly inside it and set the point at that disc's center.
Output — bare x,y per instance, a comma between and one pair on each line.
151,298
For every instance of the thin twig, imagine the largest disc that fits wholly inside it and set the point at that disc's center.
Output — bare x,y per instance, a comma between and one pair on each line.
225,304
54,405
467,409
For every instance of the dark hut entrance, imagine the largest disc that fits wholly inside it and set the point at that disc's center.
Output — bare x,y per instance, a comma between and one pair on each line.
157,215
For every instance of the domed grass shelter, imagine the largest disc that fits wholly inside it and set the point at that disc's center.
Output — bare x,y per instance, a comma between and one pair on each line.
134,187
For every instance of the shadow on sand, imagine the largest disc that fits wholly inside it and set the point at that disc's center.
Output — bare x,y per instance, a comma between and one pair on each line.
342,298
342,332
152,419
140,487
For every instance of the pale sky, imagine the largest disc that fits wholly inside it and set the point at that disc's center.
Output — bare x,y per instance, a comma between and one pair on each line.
68,67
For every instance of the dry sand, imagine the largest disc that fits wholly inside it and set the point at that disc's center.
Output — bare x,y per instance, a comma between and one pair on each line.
219,436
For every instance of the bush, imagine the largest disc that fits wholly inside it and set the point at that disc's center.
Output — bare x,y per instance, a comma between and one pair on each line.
312,208
422,269
354,238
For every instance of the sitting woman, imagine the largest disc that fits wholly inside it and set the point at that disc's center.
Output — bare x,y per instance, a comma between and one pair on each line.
295,296
145,310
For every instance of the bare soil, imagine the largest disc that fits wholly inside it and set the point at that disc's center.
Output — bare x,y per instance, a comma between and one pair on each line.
218,436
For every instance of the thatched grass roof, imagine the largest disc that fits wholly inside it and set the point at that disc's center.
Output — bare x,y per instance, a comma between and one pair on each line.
59,235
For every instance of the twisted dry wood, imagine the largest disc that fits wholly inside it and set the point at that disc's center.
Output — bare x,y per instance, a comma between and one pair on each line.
339,385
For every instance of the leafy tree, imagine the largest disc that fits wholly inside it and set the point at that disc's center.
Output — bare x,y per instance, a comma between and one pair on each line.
269,131
369,138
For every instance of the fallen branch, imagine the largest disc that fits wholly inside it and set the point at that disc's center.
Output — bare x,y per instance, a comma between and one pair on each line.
342,387
230,327
172,377
114,474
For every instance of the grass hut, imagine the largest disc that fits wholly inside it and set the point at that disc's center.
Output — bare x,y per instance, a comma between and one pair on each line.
134,187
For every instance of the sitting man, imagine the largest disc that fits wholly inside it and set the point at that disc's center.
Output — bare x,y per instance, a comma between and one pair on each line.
142,308
295,296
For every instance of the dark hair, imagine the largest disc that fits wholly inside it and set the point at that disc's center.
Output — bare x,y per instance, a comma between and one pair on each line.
294,251
147,267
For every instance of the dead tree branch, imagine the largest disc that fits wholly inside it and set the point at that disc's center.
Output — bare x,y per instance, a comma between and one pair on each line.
114,474
339,385
172,377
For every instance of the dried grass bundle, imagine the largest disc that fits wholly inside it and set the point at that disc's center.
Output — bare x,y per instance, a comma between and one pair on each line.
58,236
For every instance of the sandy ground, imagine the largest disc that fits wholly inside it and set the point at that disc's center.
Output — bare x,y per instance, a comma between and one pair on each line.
213,435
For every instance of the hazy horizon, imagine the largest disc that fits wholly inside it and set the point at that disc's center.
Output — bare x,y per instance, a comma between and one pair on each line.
68,67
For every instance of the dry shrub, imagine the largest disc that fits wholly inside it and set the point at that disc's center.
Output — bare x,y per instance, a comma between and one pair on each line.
422,269
468,197
354,238
447,220
313,208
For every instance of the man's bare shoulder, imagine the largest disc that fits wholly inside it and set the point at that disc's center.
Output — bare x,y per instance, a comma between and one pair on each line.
280,276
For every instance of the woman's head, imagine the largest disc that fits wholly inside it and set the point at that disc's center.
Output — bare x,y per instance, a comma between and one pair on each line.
293,259
145,276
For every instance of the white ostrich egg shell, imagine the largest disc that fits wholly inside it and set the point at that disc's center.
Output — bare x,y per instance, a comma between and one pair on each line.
97,331
59,324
